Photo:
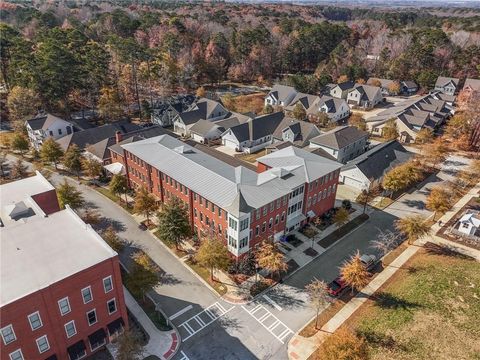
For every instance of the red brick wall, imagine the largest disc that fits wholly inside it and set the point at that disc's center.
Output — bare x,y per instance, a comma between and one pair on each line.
46,302
206,211
135,169
314,188
266,218
261,167
47,201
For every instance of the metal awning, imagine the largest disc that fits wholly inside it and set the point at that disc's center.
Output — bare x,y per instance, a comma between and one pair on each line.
310,214
77,350
295,220
115,168
115,326
97,339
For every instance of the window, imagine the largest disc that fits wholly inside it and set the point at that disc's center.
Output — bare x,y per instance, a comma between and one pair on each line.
314,201
195,213
277,219
8,334
257,230
270,223
283,216
265,209
329,190
111,306
220,229
35,321
272,206
207,220
70,329
264,227
232,223
257,214
92,317
309,201
16,355
333,188
465,225
279,202
201,217
59,131
219,212
206,203
64,306
232,242
244,242
195,196
87,295
213,208
324,193
51,133
108,284
243,224
285,199
42,344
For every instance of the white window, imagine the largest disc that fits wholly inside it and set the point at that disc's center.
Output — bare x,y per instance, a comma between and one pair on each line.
42,344
70,329
35,320
64,306
16,355
111,306
8,335
87,295
92,317
108,284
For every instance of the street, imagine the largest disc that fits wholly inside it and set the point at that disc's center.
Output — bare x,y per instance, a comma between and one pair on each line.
214,329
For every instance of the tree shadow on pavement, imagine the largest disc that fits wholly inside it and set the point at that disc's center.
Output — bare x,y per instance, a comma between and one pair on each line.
107,222
285,298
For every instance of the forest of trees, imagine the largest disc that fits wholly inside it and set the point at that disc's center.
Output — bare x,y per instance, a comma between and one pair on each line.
81,54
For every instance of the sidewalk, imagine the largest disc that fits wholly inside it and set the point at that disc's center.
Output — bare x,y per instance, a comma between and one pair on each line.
301,348
162,344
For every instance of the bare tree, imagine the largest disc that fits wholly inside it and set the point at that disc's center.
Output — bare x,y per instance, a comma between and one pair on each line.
385,242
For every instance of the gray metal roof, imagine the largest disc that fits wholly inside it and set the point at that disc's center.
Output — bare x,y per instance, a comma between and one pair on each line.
339,137
226,185
281,92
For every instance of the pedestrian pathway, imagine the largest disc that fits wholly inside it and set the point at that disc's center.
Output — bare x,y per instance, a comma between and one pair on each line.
301,348
163,344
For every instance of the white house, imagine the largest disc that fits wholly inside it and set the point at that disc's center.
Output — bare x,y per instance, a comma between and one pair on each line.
343,143
336,108
280,95
253,135
469,224
447,85
370,167
44,126
341,90
203,109
365,96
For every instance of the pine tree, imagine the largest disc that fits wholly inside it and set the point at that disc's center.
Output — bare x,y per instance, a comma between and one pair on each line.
72,160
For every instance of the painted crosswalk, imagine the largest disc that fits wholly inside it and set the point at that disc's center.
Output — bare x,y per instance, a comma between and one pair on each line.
203,319
270,322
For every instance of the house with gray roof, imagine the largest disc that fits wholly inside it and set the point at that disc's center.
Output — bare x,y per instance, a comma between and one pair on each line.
203,109
447,85
92,136
341,90
165,110
280,95
295,132
343,143
408,87
412,115
253,135
370,167
335,108
384,84
365,96
45,126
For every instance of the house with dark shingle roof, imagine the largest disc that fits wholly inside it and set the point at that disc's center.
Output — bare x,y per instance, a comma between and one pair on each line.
447,85
280,95
370,167
253,135
203,109
92,136
47,126
204,131
343,143
295,132
365,96
341,90
336,108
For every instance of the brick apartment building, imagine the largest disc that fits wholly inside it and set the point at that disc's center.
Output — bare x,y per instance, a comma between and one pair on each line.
290,187
61,294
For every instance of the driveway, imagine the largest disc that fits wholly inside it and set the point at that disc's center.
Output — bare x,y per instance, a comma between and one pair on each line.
414,202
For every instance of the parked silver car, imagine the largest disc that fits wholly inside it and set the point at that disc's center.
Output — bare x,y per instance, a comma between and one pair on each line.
369,261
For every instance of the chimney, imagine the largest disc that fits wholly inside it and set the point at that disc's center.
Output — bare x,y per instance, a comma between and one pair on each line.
118,137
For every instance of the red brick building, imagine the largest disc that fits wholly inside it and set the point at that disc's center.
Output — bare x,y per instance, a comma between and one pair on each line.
61,294
290,187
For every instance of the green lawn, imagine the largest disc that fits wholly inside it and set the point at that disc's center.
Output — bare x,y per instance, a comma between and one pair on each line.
430,309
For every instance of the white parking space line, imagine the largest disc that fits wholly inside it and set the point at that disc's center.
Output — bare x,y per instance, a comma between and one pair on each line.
213,312
278,329
184,356
273,303
181,312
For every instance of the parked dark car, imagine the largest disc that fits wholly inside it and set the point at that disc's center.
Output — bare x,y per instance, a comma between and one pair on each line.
143,227
335,287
